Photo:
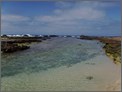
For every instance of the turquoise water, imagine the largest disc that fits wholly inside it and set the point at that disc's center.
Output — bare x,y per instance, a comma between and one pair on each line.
58,64
54,53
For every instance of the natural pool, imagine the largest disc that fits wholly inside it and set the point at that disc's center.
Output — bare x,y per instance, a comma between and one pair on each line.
58,64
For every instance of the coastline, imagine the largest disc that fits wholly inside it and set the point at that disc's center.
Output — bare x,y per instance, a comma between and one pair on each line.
101,68
112,46
116,85
117,61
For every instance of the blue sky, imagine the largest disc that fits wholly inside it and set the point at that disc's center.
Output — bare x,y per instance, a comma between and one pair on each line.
61,17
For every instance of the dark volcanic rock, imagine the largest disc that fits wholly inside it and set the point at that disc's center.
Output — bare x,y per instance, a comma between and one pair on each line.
12,47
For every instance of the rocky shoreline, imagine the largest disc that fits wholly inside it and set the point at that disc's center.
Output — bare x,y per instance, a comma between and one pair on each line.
113,51
8,48
13,44
112,46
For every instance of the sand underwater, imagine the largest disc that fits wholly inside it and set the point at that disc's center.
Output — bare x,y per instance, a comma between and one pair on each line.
60,64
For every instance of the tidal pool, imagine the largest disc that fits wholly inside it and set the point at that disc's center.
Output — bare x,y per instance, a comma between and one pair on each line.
58,64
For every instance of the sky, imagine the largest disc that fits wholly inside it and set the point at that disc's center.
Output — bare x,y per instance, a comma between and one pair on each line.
99,18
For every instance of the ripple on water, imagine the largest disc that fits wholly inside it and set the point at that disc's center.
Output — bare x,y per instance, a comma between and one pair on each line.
67,55
59,66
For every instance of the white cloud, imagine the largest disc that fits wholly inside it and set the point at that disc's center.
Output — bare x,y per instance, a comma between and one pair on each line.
78,12
14,18
63,4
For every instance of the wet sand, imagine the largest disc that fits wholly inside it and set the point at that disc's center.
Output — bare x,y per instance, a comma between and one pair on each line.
66,76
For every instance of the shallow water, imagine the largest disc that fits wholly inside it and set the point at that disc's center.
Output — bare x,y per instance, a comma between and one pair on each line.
58,64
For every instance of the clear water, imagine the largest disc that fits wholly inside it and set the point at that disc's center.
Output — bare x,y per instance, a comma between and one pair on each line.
66,52
30,69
